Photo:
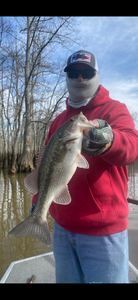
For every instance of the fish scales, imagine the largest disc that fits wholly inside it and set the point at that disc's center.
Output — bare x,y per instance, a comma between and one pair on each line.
47,168
56,164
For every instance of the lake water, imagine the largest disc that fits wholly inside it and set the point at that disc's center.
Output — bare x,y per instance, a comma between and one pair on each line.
15,203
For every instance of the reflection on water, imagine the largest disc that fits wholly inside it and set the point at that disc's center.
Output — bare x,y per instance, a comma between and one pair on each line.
15,203
133,181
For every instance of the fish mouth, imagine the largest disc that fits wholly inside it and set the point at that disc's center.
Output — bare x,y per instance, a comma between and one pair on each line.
68,140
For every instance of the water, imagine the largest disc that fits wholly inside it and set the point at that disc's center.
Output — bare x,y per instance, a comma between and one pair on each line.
15,203
133,181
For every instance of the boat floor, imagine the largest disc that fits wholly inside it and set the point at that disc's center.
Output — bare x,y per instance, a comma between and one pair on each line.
43,266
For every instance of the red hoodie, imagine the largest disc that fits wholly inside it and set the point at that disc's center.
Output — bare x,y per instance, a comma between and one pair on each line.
99,194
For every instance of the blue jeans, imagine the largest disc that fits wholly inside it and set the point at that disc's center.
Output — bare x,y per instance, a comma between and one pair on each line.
81,258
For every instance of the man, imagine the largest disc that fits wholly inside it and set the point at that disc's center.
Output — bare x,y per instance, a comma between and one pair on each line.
90,239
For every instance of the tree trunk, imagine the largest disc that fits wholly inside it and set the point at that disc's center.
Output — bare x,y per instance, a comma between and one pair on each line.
13,169
5,160
27,159
14,166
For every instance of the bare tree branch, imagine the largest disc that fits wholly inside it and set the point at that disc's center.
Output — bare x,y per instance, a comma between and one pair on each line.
32,83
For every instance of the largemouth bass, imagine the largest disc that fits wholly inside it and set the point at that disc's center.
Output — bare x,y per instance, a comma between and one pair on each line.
56,164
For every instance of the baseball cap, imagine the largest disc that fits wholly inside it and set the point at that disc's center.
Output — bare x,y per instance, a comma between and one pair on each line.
82,57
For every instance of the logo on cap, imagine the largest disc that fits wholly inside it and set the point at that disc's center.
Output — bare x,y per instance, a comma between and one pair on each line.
81,57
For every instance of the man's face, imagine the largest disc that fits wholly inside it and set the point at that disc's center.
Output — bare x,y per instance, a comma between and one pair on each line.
80,67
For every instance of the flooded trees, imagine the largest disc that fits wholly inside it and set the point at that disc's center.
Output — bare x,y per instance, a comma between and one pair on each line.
32,84
27,160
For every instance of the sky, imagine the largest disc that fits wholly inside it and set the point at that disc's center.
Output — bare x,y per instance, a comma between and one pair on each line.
114,41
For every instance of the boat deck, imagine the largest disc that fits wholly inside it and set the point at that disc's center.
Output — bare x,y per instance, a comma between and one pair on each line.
43,266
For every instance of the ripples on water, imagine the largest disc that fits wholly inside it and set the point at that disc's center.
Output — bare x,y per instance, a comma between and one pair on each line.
15,203
133,181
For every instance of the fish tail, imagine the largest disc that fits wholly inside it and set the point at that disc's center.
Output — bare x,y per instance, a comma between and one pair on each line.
32,226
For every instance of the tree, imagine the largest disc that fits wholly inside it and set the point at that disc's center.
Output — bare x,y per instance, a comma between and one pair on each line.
32,29
26,160
32,83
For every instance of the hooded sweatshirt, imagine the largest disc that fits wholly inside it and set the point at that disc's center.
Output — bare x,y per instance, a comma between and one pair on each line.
99,194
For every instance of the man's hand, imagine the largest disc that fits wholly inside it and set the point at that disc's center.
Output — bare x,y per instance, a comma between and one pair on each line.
97,140
95,123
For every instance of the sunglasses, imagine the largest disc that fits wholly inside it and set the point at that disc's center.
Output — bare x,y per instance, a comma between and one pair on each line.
86,74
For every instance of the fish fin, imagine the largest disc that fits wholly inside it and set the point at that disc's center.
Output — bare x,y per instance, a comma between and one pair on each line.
82,162
31,182
63,197
40,155
33,227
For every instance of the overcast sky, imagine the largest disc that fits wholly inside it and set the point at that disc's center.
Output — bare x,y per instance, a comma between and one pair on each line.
114,41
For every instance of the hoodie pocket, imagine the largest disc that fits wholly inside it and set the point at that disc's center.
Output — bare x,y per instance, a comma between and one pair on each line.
94,209
103,196
92,196
83,202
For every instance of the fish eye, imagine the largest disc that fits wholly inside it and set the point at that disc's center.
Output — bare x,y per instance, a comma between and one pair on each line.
71,120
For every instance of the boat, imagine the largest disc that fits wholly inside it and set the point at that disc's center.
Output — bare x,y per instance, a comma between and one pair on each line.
41,268
22,271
